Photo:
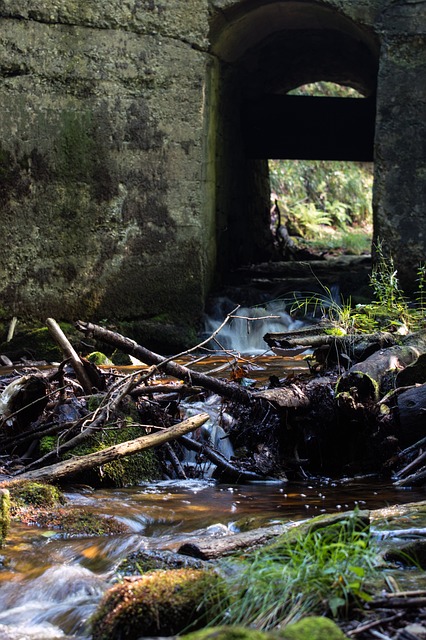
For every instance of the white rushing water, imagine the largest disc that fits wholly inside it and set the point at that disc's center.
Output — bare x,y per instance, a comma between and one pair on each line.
244,333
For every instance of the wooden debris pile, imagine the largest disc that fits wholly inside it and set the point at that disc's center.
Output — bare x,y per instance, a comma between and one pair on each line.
361,410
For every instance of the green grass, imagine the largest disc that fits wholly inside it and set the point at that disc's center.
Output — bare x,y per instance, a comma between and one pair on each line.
322,571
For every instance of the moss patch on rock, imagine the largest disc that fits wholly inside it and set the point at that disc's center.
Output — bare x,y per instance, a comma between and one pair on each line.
228,633
4,514
160,603
145,561
74,522
27,493
310,628
313,628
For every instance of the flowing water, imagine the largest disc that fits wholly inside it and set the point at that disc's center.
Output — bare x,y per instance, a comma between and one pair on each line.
50,584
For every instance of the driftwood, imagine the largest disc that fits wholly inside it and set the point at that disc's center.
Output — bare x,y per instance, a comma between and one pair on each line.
228,390
22,401
355,347
209,548
69,468
69,352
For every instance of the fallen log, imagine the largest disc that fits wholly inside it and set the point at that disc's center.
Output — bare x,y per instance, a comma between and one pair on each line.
378,372
209,548
69,468
355,347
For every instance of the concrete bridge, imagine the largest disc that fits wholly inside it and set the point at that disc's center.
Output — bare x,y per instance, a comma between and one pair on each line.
134,136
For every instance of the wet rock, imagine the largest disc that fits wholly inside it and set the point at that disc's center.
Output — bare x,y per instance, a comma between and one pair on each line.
140,562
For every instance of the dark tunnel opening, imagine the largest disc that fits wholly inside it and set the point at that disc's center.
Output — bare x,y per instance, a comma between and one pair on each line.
265,52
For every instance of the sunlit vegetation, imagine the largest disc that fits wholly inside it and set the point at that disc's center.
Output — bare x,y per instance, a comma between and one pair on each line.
389,310
326,204
320,571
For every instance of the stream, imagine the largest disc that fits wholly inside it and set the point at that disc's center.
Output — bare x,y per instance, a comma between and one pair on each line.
51,584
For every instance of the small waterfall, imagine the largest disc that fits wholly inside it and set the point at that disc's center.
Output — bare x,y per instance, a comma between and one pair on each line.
244,333
211,433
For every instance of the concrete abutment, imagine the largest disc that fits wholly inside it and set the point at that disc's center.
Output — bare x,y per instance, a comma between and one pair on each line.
126,188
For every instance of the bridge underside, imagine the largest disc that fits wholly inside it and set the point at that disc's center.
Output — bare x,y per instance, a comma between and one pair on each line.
309,128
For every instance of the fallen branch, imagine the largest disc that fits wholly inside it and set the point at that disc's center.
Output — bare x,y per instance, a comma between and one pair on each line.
69,468
228,471
69,352
228,390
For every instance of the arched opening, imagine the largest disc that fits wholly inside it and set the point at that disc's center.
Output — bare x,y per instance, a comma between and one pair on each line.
264,51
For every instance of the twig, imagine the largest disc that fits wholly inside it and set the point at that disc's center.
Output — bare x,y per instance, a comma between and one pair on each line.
415,463
374,623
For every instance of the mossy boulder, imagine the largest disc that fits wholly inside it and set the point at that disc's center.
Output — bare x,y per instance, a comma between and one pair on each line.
313,628
160,603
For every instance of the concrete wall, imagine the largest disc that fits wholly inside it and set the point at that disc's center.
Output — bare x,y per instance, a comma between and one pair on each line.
124,185
106,159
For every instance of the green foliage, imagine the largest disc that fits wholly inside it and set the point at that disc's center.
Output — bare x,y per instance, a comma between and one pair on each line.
341,191
321,571
317,193
389,310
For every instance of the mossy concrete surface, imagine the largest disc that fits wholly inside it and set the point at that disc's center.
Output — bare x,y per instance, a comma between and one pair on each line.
102,162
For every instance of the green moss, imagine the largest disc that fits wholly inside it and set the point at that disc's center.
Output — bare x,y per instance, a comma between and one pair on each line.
76,146
162,603
313,628
78,522
228,633
35,494
96,357
4,514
